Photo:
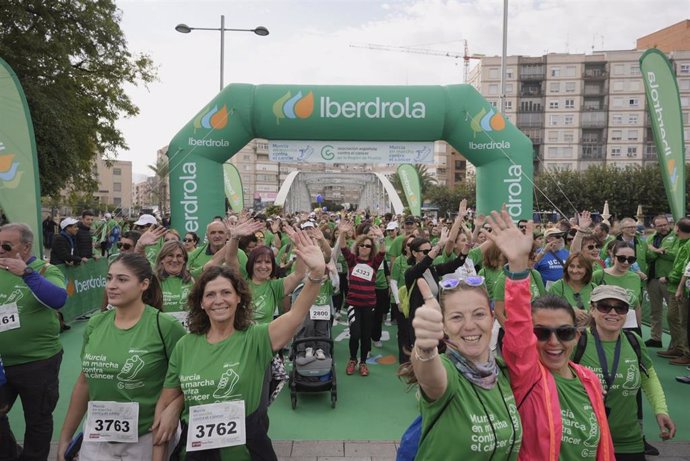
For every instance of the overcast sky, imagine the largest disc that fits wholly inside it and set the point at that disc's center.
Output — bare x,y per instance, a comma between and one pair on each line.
309,44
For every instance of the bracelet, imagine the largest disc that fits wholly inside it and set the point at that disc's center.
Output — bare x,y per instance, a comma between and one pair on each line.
235,238
320,281
434,353
516,275
429,297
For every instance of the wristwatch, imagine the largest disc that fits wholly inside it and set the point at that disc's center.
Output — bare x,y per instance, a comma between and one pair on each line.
28,270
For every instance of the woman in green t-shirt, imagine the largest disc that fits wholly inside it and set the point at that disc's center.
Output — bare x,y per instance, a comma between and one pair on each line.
576,285
622,373
465,391
219,367
175,278
124,362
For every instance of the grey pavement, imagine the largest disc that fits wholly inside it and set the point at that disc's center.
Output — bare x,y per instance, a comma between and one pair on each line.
374,450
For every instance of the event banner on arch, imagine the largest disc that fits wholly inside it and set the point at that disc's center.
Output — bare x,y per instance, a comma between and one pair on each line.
457,114
351,152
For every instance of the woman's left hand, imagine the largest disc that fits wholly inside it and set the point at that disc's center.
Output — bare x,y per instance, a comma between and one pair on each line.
165,425
668,429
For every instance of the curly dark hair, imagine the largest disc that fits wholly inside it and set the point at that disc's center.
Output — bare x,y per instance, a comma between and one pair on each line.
199,322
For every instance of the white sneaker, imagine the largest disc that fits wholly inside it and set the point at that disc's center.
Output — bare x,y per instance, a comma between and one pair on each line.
309,352
320,355
378,344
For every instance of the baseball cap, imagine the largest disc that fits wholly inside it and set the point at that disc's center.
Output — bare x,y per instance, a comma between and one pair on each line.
108,216
409,220
307,224
67,222
553,232
145,220
392,225
610,292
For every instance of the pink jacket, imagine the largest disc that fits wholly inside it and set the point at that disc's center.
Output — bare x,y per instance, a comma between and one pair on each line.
535,387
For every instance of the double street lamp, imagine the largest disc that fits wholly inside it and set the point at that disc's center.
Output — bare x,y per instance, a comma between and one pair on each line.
185,29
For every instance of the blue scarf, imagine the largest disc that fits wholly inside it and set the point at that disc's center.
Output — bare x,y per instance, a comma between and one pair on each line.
484,375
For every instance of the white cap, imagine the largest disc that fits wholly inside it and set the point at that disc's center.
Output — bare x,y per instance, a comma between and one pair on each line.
145,220
307,224
392,225
108,216
67,222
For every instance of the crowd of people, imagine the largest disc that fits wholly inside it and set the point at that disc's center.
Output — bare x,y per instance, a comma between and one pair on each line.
527,336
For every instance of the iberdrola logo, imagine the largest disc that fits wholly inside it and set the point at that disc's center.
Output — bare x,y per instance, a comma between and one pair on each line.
485,122
9,174
292,107
214,118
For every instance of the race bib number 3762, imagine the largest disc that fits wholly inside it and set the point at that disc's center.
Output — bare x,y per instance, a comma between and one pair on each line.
216,425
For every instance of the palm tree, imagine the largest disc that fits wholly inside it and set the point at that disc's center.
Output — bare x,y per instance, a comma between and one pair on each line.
161,172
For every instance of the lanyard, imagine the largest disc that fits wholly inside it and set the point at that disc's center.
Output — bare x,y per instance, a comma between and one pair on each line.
609,378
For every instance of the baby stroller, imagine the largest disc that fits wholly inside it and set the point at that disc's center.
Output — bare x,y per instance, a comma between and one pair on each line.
311,353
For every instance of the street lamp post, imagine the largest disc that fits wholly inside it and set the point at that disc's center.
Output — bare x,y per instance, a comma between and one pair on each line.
185,29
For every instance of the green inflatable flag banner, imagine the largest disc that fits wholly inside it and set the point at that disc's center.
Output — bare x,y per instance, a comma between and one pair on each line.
20,196
457,114
663,101
233,187
409,178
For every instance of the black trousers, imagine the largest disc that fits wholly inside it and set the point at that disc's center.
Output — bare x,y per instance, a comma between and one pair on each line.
360,320
36,384
383,303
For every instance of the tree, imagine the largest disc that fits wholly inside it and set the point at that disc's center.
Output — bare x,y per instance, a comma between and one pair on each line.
161,172
72,60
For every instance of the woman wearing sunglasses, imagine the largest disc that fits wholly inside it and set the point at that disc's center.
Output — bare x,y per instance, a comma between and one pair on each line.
400,265
466,389
619,274
191,240
176,280
576,286
612,356
560,402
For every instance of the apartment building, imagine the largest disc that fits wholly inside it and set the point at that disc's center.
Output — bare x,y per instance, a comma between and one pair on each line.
583,109
114,183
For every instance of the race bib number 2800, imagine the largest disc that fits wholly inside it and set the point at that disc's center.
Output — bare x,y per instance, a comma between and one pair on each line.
216,425
112,422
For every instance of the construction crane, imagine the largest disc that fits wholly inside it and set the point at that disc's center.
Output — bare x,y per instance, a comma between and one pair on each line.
448,54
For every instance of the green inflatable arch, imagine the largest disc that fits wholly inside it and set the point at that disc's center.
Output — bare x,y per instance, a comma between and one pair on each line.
457,114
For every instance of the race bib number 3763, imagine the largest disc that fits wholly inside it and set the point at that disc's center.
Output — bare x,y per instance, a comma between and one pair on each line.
112,422
216,425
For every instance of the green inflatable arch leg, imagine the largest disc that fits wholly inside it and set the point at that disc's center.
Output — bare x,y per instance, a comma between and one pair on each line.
457,114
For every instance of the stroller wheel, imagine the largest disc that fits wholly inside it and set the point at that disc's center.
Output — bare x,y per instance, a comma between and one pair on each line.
293,400
334,398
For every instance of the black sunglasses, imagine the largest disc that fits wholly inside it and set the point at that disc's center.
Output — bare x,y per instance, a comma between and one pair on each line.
426,252
605,308
592,246
564,333
630,259
488,229
6,247
364,245
188,240
124,246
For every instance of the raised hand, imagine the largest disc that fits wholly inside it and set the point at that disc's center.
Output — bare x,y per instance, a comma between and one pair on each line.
344,226
152,235
584,220
247,228
443,238
462,209
515,245
309,252
428,319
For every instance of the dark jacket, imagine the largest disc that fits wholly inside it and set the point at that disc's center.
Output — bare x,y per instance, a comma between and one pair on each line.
437,270
64,250
84,241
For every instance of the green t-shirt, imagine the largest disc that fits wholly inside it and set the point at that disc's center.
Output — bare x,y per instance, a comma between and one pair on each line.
175,292
266,297
396,246
579,300
202,255
38,336
381,280
398,270
232,369
621,397
536,286
490,278
630,281
129,365
580,437
475,413
151,251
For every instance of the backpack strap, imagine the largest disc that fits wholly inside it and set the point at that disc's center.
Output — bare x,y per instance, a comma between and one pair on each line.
580,348
160,333
635,343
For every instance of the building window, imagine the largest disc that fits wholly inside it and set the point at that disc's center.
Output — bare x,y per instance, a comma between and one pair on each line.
493,72
553,135
633,119
554,120
507,105
555,87
618,86
632,135
509,72
117,201
684,101
246,158
493,89
555,71
615,152
117,171
553,105
117,187
685,68
570,71
634,85
635,70
568,119
570,104
616,120
616,135
634,102
684,84
570,87
632,151
618,102
568,136
509,88
618,69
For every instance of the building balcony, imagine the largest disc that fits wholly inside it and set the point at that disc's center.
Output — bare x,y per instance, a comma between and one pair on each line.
531,93
594,119
591,90
595,74
532,76
593,152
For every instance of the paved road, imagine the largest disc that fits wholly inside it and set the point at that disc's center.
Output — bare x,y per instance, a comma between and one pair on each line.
365,450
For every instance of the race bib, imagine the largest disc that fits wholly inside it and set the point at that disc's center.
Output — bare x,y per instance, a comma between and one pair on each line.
339,267
320,313
9,317
363,271
112,422
181,317
216,425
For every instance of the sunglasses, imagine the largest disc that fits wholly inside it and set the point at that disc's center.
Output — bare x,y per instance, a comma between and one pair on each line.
592,246
426,252
622,259
522,227
450,282
6,247
564,333
188,240
605,308
124,246
364,245
488,229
